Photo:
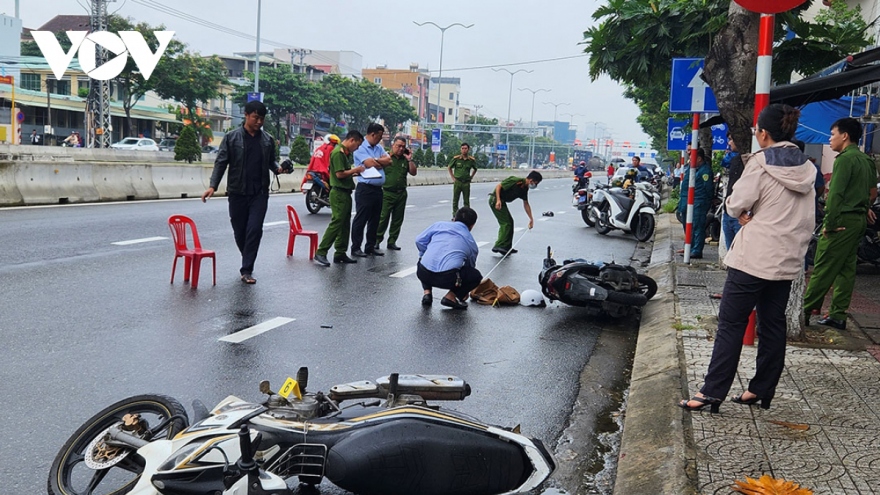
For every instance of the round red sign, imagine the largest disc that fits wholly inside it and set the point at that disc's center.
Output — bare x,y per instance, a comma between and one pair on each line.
769,6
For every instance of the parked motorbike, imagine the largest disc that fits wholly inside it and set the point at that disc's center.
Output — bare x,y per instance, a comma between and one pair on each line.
616,290
388,441
582,200
317,191
869,246
630,210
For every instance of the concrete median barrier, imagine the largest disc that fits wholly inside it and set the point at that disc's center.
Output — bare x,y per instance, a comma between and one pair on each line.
48,183
9,193
124,182
178,181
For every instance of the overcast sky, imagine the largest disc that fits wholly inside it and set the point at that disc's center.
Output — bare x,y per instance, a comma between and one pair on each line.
505,32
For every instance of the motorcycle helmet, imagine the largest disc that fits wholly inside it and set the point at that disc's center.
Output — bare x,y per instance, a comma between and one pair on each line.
631,174
333,138
532,297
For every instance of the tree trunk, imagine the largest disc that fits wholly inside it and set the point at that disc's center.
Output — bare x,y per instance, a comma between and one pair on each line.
730,71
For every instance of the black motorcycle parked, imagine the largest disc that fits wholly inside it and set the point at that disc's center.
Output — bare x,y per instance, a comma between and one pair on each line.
616,290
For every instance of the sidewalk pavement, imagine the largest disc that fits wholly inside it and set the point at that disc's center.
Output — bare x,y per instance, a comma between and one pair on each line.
822,430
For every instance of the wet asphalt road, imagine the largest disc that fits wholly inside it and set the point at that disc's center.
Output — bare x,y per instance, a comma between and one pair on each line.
86,322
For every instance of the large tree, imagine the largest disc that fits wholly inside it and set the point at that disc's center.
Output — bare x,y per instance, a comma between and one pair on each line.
191,80
131,81
285,93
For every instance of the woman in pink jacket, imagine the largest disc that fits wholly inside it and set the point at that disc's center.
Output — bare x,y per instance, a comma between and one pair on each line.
774,201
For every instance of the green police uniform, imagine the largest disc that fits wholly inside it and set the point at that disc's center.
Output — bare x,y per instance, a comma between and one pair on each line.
340,204
393,199
461,167
511,188
847,206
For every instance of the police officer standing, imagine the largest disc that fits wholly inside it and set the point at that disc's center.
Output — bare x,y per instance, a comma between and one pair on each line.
704,188
853,187
394,192
341,187
462,169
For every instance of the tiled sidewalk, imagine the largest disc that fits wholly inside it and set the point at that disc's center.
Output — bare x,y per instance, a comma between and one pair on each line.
822,430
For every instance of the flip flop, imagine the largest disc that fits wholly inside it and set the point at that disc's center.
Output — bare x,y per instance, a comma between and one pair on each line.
248,279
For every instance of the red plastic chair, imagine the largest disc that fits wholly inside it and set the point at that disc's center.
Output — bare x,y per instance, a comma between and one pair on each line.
192,258
296,229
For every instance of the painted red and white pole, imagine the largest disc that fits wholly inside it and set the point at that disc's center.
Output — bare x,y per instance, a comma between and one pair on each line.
765,64
692,182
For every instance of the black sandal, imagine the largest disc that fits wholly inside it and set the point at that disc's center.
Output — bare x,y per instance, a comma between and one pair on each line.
765,402
712,402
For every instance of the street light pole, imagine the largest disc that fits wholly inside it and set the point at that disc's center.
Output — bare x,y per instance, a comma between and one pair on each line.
440,75
555,108
595,127
509,99
257,55
532,122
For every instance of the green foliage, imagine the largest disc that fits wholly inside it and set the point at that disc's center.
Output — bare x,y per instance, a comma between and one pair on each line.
450,144
299,151
429,158
191,80
132,84
419,157
187,146
285,93
442,160
31,49
482,160
837,31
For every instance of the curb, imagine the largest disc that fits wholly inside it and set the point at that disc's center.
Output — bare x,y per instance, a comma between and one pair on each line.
653,453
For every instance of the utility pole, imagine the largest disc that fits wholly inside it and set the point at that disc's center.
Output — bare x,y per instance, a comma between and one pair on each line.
555,108
508,160
301,53
532,122
100,134
257,54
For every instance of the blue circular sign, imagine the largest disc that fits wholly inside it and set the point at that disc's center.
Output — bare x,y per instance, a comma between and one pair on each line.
20,117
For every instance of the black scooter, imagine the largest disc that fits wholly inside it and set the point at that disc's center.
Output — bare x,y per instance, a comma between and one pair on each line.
616,290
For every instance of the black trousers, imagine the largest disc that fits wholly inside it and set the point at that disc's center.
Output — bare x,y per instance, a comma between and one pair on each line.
470,279
742,293
368,210
246,213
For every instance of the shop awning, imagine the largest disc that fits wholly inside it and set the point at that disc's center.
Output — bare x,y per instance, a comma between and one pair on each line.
826,87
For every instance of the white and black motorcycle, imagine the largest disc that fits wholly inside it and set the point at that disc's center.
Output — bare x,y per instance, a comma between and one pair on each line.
630,210
387,441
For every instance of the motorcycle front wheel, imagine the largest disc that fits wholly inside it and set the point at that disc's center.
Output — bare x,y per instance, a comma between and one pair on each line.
645,227
647,286
312,203
602,227
86,465
589,218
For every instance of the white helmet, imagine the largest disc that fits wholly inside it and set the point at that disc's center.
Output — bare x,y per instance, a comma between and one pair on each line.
532,297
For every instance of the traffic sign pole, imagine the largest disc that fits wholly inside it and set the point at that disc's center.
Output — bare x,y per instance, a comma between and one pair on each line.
765,64
692,182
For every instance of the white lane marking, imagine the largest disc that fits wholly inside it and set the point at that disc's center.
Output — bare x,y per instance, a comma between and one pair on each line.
443,201
138,241
517,229
561,212
410,206
483,243
544,219
241,336
270,224
404,273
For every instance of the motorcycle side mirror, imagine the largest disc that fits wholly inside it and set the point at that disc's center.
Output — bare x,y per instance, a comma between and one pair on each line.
265,389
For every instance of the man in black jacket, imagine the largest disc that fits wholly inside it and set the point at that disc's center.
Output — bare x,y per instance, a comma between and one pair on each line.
250,155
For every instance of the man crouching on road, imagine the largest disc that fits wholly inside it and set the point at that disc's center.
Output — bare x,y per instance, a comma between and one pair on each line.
250,155
448,259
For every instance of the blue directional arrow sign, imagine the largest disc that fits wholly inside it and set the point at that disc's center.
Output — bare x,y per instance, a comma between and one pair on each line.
689,93
677,137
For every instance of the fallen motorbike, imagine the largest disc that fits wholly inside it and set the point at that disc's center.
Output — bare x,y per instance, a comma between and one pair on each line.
317,191
630,210
389,441
616,290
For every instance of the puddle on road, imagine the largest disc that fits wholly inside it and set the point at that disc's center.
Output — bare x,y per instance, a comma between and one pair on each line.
599,478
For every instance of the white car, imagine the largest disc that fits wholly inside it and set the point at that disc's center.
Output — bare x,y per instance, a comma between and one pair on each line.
137,144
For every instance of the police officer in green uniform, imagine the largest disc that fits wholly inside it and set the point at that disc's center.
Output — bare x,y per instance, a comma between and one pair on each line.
853,187
506,191
394,192
462,169
704,190
341,187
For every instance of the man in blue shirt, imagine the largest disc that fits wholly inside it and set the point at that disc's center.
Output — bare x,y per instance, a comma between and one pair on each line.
448,259
368,194
644,174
